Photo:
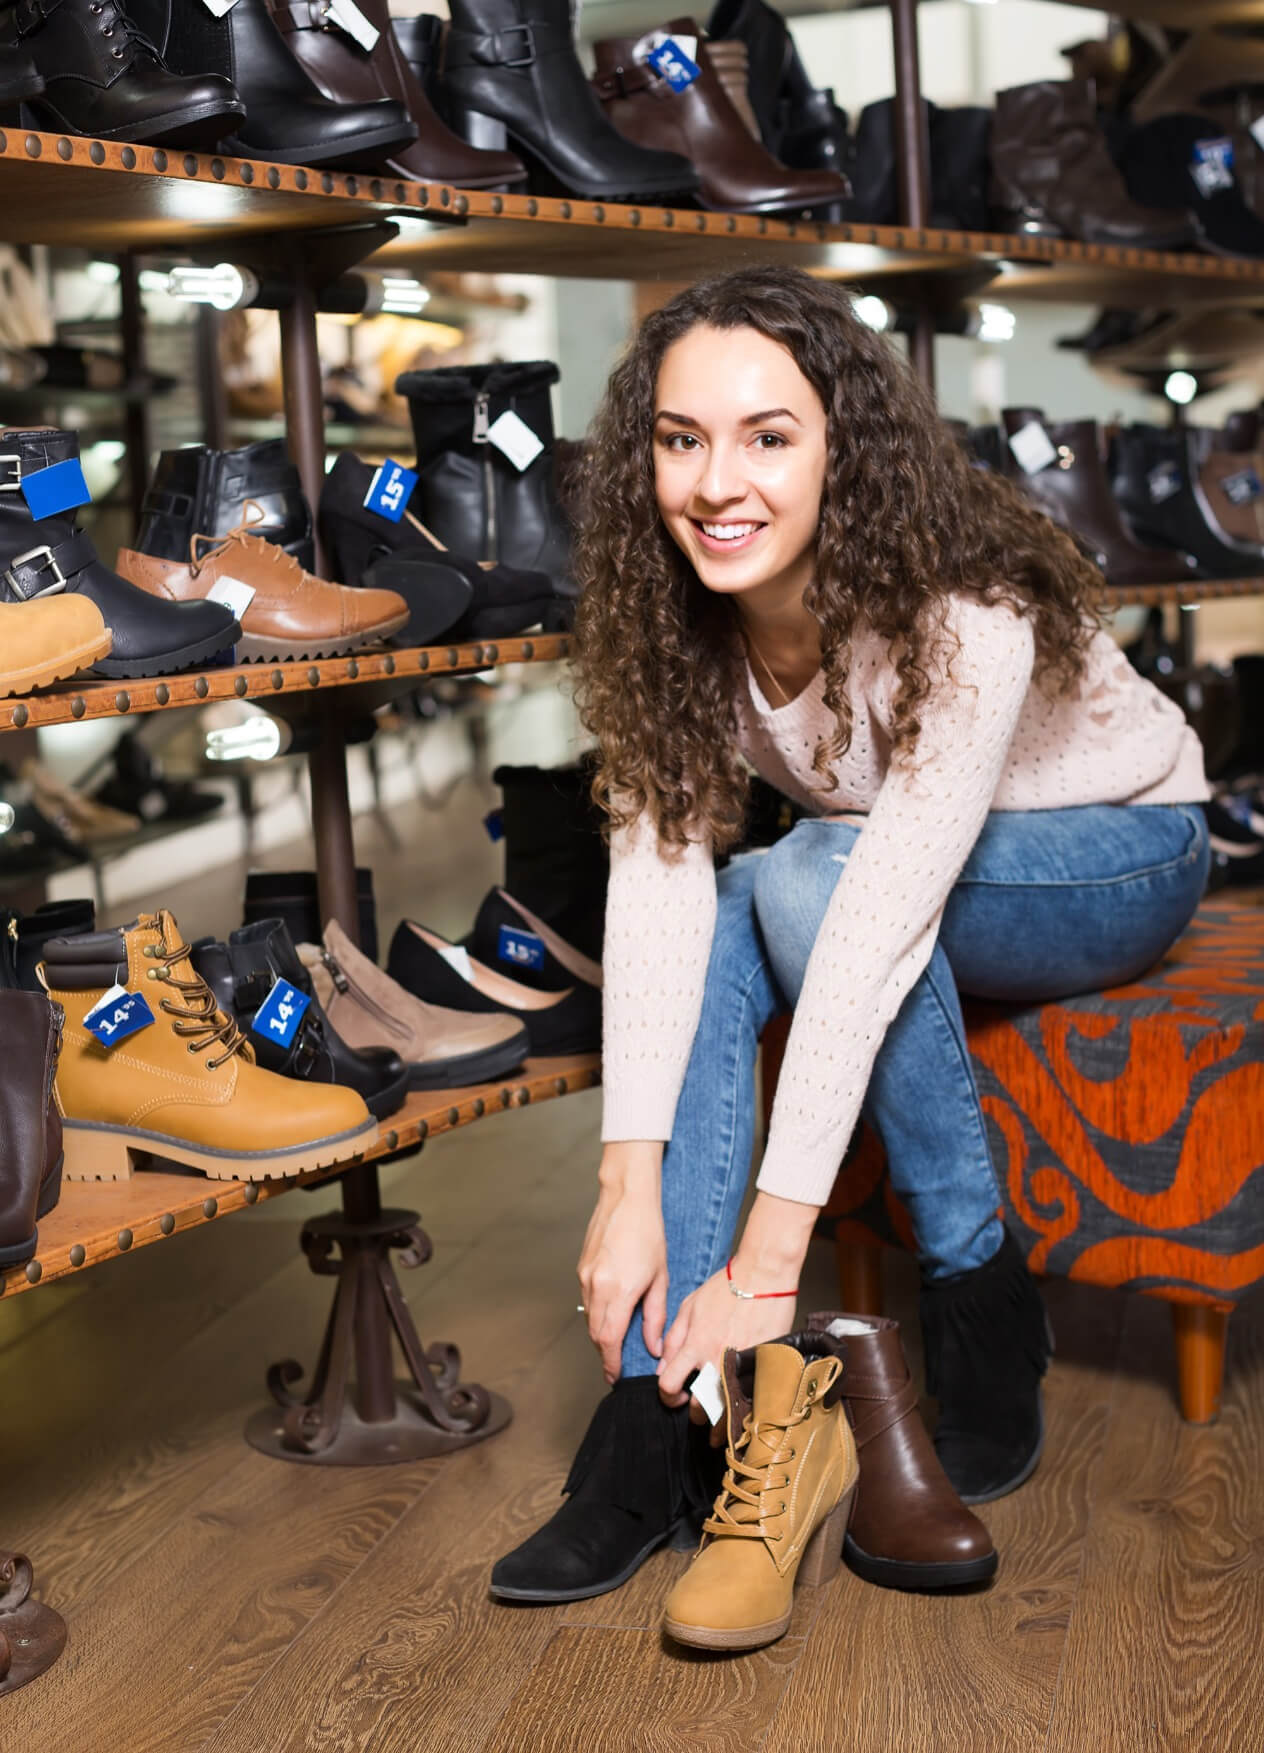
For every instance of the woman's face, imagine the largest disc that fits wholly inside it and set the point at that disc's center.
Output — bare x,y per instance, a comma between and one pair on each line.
739,462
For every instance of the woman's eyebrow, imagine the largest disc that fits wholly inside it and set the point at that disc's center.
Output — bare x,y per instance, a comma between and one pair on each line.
746,420
679,419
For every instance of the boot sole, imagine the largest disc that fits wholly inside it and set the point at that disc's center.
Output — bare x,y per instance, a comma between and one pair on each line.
545,1597
349,154
66,663
199,128
899,1573
437,595
18,1253
163,663
746,1637
258,648
385,1102
538,168
1020,1478
101,1152
481,1067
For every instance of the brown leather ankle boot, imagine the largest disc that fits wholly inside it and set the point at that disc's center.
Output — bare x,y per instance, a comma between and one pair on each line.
908,1527
30,1129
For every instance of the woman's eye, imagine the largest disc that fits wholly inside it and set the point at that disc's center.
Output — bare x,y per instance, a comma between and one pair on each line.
680,441
769,441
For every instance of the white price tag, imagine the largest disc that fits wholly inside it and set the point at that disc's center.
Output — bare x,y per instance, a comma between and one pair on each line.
707,1391
349,18
458,957
515,439
845,1328
654,39
219,8
1257,132
111,997
231,593
1033,448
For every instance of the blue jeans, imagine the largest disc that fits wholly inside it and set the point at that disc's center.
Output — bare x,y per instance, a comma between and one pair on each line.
1049,903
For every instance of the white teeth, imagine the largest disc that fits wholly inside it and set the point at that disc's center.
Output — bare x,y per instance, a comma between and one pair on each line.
728,532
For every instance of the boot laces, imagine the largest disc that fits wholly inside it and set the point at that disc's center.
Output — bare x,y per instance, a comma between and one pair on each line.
198,1017
739,1510
122,30
203,549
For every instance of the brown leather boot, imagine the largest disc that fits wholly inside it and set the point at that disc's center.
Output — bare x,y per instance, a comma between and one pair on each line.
30,1127
782,1513
442,1048
739,174
348,73
731,61
286,614
1053,175
908,1527
1074,490
185,1087
48,638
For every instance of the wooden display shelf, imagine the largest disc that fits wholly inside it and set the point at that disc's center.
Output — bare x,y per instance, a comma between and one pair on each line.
99,1220
1181,14
1197,591
71,701
59,189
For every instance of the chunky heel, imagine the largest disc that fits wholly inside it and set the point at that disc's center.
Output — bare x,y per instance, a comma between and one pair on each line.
93,1155
823,1553
478,129
347,550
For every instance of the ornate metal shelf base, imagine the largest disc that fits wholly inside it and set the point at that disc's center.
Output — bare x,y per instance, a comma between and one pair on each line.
32,1636
380,1419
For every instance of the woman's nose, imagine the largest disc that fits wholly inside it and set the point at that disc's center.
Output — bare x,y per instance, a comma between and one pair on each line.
720,480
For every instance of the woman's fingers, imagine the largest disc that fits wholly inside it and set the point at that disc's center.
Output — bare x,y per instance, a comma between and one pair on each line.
677,1361
654,1315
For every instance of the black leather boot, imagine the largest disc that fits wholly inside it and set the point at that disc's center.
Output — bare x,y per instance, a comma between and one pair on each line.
202,492
513,77
1186,163
1156,476
292,895
20,81
242,972
103,77
988,1344
288,120
486,602
469,494
151,637
556,859
29,932
637,1481
30,1126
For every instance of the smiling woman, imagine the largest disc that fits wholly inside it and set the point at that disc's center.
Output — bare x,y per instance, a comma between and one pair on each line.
789,564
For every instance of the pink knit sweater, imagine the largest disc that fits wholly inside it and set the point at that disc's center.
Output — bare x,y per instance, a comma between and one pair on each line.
990,740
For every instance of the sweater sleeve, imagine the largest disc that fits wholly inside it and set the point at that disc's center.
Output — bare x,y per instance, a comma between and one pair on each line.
879,929
660,919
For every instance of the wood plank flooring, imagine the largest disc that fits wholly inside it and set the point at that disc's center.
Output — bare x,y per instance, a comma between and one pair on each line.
221,1601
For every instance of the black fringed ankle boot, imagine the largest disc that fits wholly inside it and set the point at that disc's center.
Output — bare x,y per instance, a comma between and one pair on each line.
634,1484
988,1343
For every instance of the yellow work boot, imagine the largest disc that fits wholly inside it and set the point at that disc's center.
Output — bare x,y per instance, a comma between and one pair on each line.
782,1512
47,639
183,1086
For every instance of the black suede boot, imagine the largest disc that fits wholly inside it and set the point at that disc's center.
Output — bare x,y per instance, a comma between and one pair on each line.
556,860
988,1343
635,1484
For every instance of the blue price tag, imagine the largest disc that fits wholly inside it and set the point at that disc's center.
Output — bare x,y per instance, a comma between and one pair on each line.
278,1017
118,1017
1164,480
494,822
1212,166
1242,488
60,488
671,63
521,949
390,490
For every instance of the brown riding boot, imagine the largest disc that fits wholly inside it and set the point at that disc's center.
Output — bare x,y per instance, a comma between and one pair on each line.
782,1513
184,1086
30,1128
908,1527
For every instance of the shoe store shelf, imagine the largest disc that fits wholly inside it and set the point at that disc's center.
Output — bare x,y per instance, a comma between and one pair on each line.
375,674
99,1220
1199,591
160,201
1181,14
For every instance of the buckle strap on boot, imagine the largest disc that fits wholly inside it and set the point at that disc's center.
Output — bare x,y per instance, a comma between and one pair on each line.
623,81
29,15
48,569
516,45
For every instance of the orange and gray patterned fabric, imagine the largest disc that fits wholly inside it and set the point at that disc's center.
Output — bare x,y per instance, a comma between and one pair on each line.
1127,1127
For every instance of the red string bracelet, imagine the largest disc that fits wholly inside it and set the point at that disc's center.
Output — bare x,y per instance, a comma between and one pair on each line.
753,1296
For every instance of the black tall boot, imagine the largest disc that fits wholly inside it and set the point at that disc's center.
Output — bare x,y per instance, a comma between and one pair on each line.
102,76
513,77
292,896
988,1343
202,492
638,1480
1187,163
288,121
42,555
1156,476
470,494
556,861
30,932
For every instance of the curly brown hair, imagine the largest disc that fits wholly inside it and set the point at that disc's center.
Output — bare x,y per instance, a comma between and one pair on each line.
905,520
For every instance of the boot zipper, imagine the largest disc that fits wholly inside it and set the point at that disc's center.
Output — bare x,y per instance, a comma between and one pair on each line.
52,1053
482,425
344,984
335,972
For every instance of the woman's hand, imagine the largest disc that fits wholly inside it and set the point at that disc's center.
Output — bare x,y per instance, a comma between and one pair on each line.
624,1258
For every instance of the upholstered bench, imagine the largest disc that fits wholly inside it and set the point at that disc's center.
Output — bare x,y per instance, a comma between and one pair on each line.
1127,1129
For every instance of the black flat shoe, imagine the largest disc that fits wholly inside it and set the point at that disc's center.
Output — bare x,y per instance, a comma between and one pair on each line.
434,970
988,1344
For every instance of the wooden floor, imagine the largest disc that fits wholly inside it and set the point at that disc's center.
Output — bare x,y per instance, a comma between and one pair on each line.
220,1600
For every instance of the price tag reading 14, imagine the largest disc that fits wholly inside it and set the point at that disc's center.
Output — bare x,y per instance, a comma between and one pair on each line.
278,1017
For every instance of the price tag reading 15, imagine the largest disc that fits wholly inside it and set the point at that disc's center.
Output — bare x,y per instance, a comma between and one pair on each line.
278,1017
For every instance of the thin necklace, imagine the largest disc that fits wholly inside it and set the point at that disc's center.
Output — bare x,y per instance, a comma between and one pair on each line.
754,651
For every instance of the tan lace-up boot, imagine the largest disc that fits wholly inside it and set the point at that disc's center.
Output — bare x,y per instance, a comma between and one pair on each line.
48,638
185,1087
782,1513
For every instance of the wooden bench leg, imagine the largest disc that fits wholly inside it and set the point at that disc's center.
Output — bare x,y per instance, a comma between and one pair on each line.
859,1276
1200,1334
